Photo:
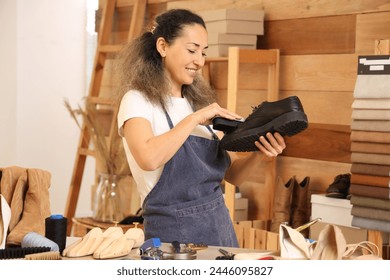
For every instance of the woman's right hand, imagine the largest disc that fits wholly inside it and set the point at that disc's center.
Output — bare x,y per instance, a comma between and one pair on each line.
205,115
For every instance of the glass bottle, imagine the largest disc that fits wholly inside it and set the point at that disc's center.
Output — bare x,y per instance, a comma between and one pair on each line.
107,204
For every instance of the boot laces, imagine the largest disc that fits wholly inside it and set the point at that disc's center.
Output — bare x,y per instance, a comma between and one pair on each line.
254,108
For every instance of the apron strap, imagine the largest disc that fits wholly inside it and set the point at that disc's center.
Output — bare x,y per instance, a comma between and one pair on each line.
215,137
170,123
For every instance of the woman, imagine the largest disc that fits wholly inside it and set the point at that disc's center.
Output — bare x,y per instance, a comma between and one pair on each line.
173,153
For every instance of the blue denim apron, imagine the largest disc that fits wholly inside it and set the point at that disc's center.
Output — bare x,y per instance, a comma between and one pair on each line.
187,204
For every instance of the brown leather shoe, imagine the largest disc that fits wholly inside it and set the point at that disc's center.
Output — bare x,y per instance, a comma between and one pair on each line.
340,186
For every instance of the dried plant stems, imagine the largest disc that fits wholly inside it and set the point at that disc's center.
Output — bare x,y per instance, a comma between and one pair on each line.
89,117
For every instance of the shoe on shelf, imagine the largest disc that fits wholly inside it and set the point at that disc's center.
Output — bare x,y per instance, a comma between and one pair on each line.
285,116
340,186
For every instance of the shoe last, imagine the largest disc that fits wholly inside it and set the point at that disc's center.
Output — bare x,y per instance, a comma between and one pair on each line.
136,234
114,248
86,245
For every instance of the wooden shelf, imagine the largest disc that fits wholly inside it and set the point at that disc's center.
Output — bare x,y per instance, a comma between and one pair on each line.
83,224
235,58
317,140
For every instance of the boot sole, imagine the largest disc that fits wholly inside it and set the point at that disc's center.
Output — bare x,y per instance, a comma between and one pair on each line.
287,124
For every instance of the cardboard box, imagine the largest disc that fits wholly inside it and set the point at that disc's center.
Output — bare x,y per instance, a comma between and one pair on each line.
231,39
331,210
352,235
236,27
241,209
223,50
235,14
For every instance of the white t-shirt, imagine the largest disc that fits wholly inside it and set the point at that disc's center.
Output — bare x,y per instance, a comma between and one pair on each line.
134,104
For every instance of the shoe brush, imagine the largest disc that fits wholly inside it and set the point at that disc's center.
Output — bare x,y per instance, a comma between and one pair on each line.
52,255
21,252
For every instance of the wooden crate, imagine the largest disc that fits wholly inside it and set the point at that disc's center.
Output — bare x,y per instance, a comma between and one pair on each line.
255,234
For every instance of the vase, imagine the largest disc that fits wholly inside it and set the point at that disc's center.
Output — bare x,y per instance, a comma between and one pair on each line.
107,202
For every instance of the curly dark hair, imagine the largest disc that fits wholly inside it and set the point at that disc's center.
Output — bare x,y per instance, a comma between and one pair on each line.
140,65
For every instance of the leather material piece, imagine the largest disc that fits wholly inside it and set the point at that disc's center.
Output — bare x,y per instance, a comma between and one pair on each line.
35,205
293,244
17,202
9,178
331,244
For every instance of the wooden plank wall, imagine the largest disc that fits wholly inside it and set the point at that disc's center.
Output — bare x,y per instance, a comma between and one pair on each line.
319,43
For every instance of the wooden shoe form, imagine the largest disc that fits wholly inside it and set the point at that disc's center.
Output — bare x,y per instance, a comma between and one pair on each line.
85,246
113,232
115,248
109,236
137,235
112,243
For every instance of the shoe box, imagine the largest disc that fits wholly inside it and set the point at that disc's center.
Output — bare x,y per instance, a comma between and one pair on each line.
232,27
240,205
331,210
335,211
241,209
352,234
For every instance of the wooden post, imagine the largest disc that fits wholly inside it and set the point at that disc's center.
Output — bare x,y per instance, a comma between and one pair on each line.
236,57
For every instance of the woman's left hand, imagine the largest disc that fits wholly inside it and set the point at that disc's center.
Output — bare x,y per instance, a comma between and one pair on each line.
272,145
269,147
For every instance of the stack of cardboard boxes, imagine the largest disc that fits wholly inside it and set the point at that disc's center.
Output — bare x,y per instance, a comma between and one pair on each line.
232,27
